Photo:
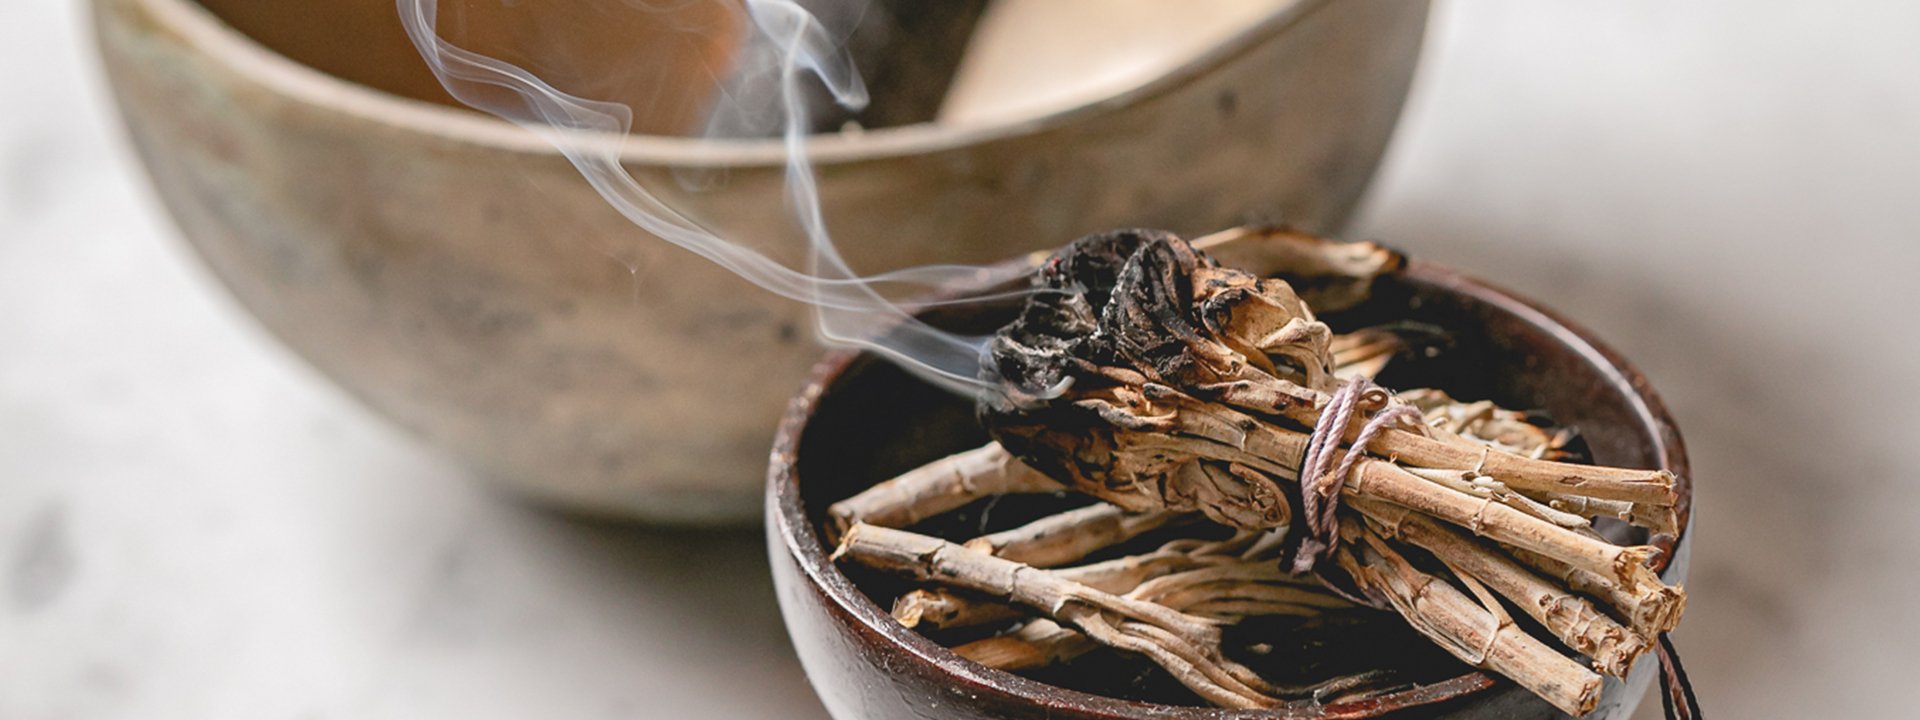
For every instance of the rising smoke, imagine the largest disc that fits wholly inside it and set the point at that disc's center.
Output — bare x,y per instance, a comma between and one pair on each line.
797,50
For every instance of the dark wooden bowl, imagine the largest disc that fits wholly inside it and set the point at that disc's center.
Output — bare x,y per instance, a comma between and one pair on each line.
861,420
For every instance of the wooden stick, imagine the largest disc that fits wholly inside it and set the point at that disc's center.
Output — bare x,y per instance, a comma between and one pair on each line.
1466,629
1035,644
1188,647
1650,487
946,609
1237,571
1041,642
938,487
1489,488
1069,536
1648,611
1227,590
1365,353
1270,251
1270,395
1658,519
943,609
1382,480
1364,345
1628,564
1571,618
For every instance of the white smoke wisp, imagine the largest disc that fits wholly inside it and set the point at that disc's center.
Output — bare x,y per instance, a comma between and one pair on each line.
850,309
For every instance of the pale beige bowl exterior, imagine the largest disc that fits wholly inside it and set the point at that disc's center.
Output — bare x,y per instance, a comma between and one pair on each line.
450,269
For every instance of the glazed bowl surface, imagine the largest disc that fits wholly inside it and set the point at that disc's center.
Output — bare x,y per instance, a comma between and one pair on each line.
455,272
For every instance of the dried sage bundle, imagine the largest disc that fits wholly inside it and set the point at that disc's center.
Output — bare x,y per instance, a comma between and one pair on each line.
1178,389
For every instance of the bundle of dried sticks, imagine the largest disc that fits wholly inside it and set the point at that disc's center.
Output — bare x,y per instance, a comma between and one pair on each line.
1177,389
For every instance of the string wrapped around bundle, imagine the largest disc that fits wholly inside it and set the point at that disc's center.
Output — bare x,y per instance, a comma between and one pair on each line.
1147,374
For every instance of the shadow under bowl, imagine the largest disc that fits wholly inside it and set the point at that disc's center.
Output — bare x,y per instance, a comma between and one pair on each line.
861,420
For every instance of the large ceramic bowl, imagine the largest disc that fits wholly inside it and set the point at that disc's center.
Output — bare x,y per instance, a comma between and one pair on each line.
448,268
861,421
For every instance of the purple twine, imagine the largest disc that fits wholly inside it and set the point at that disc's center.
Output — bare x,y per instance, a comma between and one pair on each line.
1320,480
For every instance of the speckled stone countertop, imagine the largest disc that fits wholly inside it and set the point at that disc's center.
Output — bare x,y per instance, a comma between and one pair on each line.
193,525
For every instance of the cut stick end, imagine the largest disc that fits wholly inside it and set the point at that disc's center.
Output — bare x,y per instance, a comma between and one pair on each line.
1617,658
1634,566
1585,698
907,613
1663,521
839,521
844,544
981,544
1676,606
1013,654
1659,611
927,608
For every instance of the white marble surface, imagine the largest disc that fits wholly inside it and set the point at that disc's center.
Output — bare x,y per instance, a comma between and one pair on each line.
1726,191
193,525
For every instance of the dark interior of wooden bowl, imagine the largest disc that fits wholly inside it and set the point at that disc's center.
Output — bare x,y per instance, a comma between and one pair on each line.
666,61
874,421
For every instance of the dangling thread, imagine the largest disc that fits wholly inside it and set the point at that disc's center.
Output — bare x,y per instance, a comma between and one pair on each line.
1676,692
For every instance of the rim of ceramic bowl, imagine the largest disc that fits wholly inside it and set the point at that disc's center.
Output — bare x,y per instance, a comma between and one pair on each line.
241,54
788,515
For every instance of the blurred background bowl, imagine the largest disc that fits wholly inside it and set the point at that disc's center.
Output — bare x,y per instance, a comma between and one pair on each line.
862,420
452,270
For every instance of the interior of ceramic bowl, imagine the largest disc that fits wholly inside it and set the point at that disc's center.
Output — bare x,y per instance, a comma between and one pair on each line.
669,62
874,421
